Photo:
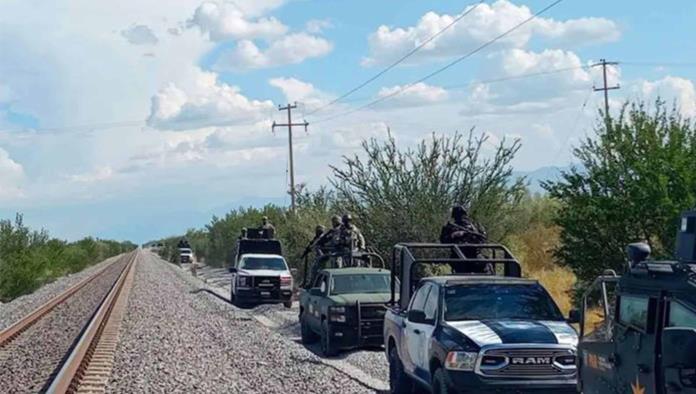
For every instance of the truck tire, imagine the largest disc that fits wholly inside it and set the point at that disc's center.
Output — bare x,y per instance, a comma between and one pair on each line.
326,347
308,336
287,304
399,382
440,382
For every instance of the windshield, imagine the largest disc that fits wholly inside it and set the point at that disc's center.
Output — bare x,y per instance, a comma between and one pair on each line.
489,301
361,283
263,263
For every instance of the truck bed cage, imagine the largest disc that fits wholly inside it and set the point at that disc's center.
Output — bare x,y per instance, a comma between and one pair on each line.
331,257
257,233
261,245
406,256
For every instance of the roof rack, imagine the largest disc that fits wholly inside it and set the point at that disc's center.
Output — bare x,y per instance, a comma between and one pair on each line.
405,256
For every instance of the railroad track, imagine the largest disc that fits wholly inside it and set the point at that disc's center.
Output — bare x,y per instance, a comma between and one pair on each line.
67,344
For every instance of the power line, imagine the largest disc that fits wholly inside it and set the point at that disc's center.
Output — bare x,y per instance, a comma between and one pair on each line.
398,61
447,66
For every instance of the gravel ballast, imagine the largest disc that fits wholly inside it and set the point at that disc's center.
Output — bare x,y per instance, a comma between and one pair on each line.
373,362
173,340
27,362
21,306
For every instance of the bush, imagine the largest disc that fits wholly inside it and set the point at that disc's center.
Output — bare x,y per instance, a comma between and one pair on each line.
634,179
29,259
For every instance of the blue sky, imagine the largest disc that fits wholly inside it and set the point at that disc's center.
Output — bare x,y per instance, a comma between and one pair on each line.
142,118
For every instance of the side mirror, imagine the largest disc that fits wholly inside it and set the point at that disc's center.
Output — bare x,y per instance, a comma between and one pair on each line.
416,317
316,292
678,345
233,270
573,316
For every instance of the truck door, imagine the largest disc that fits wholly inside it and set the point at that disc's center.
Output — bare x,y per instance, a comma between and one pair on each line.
635,341
596,357
679,376
413,333
314,305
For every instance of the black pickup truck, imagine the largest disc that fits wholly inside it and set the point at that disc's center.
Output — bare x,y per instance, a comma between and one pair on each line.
475,333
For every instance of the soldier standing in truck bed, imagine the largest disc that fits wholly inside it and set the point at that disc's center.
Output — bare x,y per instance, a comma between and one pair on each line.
268,228
314,243
462,230
350,237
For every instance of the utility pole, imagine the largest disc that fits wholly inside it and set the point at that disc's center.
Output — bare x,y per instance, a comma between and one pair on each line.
289,125
604,63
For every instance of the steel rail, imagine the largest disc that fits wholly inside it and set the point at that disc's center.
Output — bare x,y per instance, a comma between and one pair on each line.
68,377
14,330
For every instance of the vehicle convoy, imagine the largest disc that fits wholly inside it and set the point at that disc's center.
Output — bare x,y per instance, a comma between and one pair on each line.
645,340
474,333
260,274
344,307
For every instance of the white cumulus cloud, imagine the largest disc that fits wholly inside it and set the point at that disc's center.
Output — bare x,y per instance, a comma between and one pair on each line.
673,90
481,25
223,21
290,49
304,93
11,177
208,103
417,94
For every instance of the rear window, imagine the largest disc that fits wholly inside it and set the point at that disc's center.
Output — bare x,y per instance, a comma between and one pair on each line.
502,301
361,283
263,263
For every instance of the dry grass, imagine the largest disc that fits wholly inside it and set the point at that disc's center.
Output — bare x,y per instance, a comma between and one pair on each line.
534,249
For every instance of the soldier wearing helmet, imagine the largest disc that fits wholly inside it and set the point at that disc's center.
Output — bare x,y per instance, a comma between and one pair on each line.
350,237
319,232
268,228
462,230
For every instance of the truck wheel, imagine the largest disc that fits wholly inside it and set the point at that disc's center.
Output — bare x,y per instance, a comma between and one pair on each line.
440,382
287,304
308,336
326,347
399,382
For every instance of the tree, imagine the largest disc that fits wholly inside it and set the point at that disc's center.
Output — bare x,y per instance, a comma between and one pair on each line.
632,181
405,195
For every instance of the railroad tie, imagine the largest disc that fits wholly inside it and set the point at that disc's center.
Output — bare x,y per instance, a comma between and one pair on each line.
95,377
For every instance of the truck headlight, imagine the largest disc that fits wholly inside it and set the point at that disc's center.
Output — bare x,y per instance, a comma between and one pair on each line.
337,314
243,281
461,361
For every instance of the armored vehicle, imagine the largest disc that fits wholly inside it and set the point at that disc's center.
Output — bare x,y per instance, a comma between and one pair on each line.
638,331
260,274
490,332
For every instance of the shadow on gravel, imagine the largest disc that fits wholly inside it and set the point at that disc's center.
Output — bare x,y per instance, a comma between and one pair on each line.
344,354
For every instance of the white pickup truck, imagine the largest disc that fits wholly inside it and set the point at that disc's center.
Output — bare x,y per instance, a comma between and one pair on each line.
260,274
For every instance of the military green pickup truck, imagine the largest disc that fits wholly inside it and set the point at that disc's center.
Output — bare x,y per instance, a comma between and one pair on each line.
344,308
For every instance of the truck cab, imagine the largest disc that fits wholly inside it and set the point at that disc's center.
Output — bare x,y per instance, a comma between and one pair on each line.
260,274
482,333
638,331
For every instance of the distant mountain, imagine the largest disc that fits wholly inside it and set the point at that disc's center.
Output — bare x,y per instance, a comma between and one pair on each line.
535,177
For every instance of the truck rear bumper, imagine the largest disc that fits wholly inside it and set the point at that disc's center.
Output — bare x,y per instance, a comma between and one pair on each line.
468,382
